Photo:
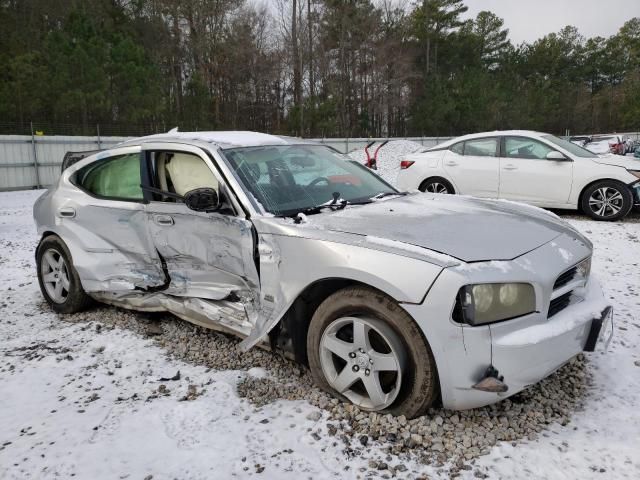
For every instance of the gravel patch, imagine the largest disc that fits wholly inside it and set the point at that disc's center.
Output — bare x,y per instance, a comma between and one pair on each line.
446,439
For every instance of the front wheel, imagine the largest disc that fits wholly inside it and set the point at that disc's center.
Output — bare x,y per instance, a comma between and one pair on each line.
436,185
607,200
58,279
364,348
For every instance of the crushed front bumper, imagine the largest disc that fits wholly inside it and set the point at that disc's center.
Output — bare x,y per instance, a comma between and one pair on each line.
523,351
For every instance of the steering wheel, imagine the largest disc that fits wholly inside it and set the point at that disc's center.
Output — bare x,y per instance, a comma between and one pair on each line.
318,180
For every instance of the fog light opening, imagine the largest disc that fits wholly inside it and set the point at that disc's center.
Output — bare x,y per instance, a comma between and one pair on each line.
491,382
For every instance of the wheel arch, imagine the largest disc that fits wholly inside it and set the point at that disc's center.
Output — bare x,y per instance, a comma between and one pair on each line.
290,333
440,178
592,182
45,234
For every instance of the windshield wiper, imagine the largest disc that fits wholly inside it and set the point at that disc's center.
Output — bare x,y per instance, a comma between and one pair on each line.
335,204
387,194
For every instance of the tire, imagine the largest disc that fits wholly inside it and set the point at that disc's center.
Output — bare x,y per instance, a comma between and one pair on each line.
405,370
59,281
437,185
607,200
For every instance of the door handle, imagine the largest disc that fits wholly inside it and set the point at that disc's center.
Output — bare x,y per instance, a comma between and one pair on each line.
163,220
67,212
451,163
510,167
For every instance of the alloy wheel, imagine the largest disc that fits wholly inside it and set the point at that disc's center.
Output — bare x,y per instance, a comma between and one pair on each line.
606,202
436,187
363,359
55,275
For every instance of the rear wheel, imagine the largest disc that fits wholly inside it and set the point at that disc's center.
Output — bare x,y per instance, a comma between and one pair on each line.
607,200
58,279
364,348
436,185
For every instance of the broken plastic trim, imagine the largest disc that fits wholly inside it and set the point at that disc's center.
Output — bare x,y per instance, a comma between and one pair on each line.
492,382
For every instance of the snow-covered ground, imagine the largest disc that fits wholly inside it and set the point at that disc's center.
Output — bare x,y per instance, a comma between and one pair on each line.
389,156
87,397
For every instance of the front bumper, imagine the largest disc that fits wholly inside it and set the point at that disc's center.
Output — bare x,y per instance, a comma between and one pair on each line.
523,350
635,188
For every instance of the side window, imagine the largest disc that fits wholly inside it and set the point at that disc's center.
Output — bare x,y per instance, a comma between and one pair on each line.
116,177
457,148
481,147
521,147
178,172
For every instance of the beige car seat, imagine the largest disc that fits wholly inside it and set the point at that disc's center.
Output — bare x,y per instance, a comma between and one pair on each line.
187,172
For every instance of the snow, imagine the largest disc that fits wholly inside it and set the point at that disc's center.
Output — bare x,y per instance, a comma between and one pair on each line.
601,440
389,157
86,408
419,252
502,265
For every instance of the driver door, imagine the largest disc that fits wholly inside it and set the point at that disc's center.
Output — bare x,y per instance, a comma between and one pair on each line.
207,255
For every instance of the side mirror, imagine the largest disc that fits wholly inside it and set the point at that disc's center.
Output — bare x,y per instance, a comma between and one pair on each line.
557,156
202,200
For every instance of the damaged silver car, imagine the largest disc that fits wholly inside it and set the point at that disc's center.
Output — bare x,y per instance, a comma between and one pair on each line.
396,301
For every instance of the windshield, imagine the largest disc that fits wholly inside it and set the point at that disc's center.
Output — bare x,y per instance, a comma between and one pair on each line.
572,148
292,178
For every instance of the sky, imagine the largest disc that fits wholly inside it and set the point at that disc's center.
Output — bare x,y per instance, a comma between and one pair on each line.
528,20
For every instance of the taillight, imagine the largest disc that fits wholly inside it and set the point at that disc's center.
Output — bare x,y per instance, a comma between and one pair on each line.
404,164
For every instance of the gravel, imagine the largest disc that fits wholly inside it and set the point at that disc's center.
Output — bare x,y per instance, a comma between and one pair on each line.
442,438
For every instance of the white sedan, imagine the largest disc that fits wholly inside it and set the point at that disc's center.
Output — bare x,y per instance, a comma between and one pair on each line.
525,166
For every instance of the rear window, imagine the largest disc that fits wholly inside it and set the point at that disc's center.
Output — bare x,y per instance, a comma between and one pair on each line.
478,147
481,147
457,148
115,178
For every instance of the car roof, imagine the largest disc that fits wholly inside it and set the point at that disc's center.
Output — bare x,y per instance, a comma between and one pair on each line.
222,139
495,133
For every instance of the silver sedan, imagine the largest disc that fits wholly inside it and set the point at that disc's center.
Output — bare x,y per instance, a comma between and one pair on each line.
396,301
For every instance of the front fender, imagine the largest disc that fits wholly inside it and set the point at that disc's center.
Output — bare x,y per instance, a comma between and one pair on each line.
288,265
600,172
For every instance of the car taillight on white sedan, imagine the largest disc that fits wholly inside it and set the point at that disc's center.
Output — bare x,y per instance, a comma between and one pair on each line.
404,164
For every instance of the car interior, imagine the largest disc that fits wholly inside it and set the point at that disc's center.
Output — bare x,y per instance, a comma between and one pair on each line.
179,173
296,179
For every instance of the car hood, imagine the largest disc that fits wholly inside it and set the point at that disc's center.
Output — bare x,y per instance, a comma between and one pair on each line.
630,163
466,228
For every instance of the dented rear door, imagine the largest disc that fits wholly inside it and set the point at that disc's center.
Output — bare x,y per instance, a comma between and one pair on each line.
104,223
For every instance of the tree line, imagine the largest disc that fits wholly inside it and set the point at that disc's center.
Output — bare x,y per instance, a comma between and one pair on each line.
333,68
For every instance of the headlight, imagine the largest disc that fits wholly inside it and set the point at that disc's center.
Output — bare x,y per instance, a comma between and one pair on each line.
584,268
634,172
492,302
